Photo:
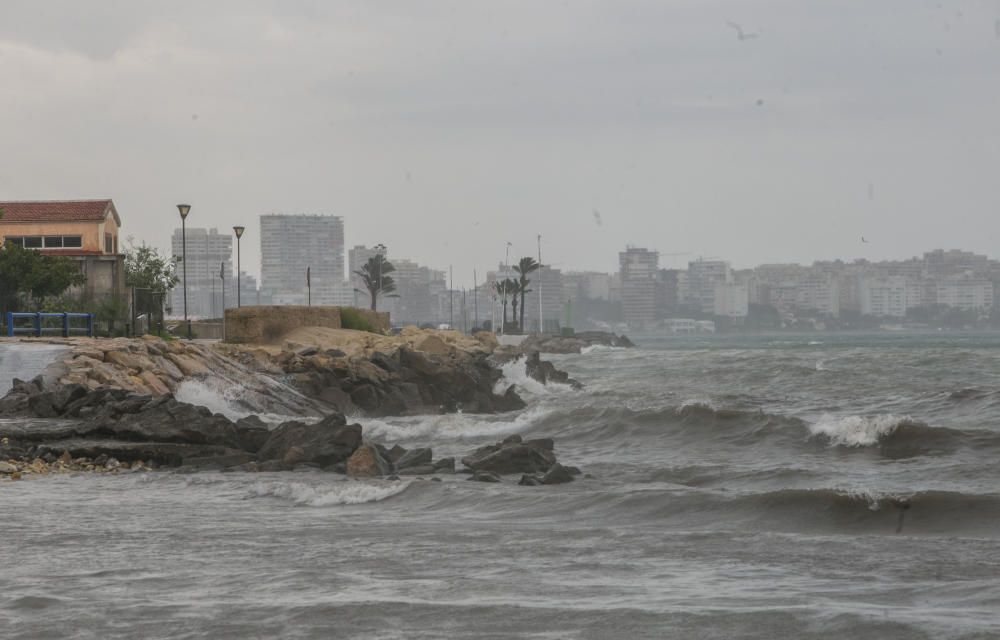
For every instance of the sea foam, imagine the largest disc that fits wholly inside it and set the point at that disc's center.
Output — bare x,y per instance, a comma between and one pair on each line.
857,431
338,493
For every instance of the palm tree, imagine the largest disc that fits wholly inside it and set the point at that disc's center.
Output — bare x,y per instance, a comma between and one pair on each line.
375,276
513,288
524,267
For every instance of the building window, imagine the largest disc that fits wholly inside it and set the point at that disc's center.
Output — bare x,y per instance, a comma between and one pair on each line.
46,242
108,243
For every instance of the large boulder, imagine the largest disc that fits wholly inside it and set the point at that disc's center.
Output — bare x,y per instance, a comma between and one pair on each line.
328,442
367,462
513,456
414,458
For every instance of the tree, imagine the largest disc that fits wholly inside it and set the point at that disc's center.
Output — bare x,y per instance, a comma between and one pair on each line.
375,276
524,267
146,268
514,289
500,286
29,272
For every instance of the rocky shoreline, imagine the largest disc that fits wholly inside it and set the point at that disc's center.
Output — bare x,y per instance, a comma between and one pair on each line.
110,406
115,430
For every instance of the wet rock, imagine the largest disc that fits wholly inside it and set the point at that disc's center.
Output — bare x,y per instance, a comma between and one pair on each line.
445,465
367,462
414,458
385,362
252,433
529,480
484,476
513,457
420,470
7,468
327,442
545,372
395,453
272,466
557,474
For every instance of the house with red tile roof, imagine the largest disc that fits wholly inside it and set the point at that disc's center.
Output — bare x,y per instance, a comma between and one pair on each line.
84,230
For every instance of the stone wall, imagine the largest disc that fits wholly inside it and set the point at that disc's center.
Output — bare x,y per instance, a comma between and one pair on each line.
264,324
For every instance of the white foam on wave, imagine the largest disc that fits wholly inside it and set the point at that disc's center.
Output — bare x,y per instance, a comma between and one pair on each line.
515,373
596,348
338,493
857,431
696,403
453,426
220,396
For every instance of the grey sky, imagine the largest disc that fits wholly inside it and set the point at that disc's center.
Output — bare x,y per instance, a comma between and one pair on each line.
444,129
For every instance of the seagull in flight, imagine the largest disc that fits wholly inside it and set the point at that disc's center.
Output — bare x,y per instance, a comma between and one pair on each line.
740,34
597,218
863,240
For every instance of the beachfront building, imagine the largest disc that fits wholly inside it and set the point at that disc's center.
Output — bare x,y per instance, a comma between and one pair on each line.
86,231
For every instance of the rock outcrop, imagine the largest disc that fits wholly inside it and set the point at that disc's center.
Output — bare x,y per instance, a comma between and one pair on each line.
574,343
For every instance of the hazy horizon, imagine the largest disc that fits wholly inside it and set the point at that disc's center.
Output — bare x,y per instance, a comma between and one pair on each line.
445,131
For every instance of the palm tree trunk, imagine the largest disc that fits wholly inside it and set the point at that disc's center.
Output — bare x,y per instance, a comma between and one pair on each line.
374,294
522,309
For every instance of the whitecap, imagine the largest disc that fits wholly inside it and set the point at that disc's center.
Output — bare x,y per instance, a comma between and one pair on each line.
338,493
595,348
857,431
455,426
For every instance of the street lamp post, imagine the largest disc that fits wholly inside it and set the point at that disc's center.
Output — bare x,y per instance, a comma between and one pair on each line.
506,270
184,210
238,230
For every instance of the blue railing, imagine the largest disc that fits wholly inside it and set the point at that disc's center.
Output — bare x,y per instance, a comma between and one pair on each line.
38,329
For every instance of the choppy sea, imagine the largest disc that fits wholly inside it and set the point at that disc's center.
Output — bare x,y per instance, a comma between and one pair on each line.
785,486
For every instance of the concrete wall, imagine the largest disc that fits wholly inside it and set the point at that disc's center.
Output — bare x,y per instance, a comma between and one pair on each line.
263,324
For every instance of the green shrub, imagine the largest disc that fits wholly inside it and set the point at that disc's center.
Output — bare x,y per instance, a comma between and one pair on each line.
353,319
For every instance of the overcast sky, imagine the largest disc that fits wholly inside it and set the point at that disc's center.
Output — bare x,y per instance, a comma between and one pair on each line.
444,129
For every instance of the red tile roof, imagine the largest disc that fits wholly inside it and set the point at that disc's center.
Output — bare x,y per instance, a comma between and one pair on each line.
58,211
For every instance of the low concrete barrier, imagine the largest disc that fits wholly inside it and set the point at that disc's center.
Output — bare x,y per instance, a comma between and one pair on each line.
263,324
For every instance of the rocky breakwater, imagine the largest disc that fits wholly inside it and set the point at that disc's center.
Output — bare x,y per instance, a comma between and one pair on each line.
358,373
575,343
155,367
115,430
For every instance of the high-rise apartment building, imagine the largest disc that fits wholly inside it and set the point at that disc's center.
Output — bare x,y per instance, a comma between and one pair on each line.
639,269
208,254
703,276
292,244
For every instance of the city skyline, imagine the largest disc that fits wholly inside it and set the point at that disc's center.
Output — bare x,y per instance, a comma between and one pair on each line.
443,132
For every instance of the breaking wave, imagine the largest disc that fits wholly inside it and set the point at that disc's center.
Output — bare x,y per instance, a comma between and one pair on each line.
515,373
345,492
231,400
859,431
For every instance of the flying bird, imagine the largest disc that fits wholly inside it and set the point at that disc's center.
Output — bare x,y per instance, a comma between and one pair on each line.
740,34
863,240
597,218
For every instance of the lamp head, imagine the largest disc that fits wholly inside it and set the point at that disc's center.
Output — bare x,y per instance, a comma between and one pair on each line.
184,209
239,231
